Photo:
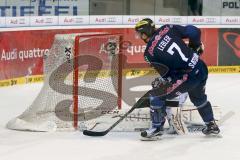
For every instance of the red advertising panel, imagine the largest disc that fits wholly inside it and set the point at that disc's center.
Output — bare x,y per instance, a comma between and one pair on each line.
21,52
210,40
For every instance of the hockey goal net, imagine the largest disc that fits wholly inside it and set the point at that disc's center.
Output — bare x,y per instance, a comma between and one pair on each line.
82,75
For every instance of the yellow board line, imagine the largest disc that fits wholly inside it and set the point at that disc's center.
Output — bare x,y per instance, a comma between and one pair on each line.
106,73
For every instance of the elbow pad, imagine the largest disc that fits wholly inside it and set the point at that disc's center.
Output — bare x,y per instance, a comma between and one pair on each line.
198,49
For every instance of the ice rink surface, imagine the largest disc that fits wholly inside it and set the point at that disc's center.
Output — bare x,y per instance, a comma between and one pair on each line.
222,90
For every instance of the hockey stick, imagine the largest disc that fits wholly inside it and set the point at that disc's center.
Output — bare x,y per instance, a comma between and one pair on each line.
138,104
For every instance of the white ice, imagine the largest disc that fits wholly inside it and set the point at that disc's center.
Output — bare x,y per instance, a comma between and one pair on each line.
222,90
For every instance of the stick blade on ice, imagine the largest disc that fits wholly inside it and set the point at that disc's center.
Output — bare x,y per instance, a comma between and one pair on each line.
94,133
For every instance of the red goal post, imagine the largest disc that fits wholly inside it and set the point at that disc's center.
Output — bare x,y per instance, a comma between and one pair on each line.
77,50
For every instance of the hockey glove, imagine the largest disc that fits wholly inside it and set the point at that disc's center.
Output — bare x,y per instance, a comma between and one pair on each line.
199,49
160,82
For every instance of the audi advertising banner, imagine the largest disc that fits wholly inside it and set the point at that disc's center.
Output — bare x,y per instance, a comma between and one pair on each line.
21,52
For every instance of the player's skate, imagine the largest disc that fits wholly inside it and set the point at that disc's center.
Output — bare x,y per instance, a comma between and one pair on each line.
152,134
157,115
211,129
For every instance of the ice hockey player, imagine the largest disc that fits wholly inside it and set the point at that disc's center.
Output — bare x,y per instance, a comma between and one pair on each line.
186,71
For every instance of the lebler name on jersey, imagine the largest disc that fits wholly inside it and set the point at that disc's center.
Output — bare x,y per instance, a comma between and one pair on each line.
157,38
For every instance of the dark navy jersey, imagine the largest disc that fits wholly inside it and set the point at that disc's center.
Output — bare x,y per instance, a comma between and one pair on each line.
167,48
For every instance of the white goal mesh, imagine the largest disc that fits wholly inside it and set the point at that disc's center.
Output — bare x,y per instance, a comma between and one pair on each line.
82,76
